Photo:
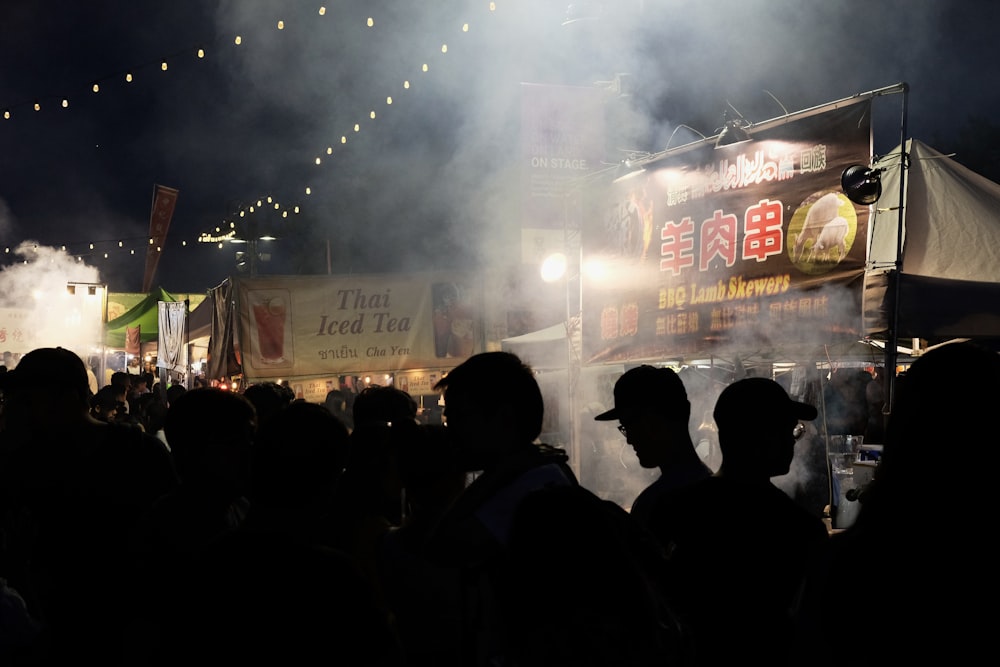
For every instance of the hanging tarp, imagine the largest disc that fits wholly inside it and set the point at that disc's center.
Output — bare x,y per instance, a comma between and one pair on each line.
748,246
144,315
223,355
950,284
171,345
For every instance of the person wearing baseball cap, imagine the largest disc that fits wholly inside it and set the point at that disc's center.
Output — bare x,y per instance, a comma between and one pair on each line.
653,411
739,546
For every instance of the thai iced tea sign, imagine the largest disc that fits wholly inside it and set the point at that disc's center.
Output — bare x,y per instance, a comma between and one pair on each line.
329,325
751,244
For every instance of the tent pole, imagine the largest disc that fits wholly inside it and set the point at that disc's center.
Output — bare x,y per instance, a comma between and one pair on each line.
891,352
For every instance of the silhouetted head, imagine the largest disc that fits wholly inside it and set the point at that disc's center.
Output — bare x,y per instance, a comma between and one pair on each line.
268,398
298,456
653,411
757,423
210,433
493,404
49,386
943,405
383,405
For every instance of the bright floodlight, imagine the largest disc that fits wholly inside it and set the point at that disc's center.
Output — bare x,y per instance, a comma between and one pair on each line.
553,267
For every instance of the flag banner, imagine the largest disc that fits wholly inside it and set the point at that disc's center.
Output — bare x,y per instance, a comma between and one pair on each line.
333,325
223,344
171,350
751,246
133,337
164,201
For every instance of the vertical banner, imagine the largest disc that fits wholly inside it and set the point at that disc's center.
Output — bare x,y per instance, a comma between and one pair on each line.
133,339
223,344
746,247
171,350
562,140
164,200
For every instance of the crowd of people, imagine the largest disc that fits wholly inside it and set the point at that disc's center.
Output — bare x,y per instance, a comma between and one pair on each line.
150,528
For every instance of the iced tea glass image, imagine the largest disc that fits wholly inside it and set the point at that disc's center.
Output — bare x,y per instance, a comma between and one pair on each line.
270,312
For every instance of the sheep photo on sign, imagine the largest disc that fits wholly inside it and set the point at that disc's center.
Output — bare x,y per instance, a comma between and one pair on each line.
823,228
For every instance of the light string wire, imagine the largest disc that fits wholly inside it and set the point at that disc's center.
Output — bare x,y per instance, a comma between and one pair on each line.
253,205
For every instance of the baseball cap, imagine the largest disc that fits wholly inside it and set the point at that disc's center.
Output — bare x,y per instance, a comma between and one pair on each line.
45,366
642,388
755,399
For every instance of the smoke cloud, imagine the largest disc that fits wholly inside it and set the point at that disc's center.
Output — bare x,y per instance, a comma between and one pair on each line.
38,309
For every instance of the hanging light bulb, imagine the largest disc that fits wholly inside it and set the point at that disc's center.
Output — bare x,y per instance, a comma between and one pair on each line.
96,88
308,190
65,103
38,107
238,40
322,11
281,25
128,77
6,114
371,22
163,66
201,53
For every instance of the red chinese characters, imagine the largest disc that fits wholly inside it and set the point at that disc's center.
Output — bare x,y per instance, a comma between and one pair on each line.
718,238
762,231
677,245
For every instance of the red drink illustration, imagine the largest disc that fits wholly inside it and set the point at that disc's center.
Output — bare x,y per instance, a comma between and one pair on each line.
270,316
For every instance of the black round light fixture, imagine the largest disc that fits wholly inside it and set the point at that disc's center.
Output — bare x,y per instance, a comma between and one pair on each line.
732,133
861,184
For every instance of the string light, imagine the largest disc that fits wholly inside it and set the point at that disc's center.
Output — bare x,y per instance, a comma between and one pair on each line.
95,87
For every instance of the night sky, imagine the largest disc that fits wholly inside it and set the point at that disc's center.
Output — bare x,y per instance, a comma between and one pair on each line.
431,181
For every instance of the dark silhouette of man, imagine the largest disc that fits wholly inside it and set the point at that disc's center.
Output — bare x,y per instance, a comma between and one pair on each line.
76,488
493,411
738,546
653,411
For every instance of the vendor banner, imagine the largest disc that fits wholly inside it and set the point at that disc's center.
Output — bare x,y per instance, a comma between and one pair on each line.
172,335
301,326
748,246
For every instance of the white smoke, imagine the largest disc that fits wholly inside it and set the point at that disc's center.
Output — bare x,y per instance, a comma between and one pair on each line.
36,307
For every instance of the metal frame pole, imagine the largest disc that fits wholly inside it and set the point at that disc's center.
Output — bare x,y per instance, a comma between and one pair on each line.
891,352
